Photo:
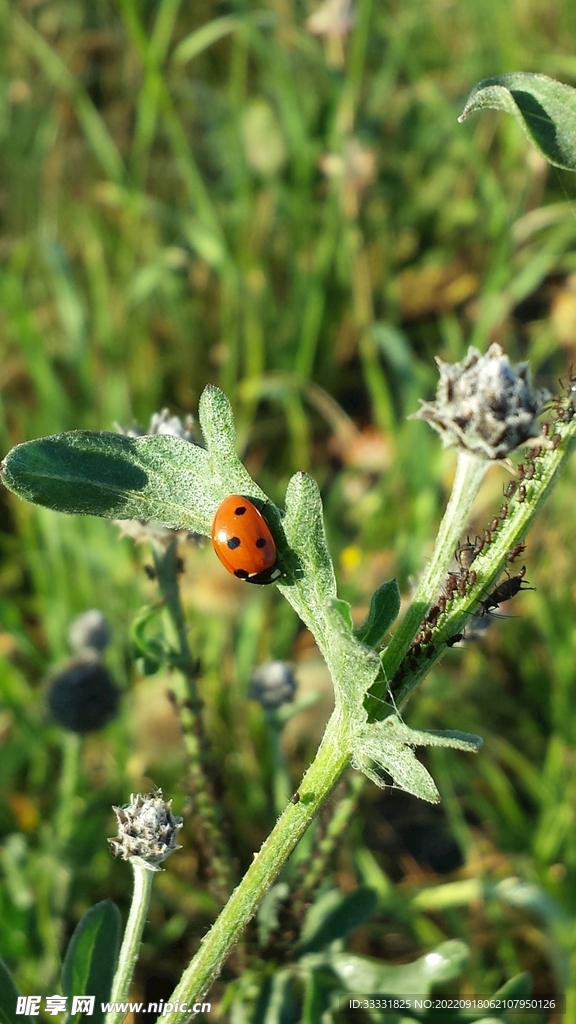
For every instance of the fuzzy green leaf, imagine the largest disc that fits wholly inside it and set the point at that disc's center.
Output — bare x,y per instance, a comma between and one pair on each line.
384,610
9,998
103,474
360,974
228,474
91,956
389,745
546,110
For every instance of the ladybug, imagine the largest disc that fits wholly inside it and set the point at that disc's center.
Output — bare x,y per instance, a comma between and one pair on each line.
242,540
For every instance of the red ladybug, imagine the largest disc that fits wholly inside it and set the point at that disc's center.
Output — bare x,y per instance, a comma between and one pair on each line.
243,542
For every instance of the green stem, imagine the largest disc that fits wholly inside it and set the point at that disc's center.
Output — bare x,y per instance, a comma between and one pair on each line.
321,777
469,475
143,877
189,708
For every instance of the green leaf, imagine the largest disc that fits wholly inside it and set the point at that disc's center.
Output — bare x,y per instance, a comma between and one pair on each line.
384,609
389,745
334,915
277,1001
344,609
9,998
360,974
98,473
518,987
546,110
90,959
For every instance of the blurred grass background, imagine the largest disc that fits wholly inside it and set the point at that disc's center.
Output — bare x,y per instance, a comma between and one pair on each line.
231,192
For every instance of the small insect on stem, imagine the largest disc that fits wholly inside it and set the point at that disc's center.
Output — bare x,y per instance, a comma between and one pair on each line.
521,494
455,639
516,551
505,590
508,491
465,555
556,440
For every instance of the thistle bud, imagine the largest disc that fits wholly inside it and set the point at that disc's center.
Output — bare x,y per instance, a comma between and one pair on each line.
485,405
147,830
82,695
273,684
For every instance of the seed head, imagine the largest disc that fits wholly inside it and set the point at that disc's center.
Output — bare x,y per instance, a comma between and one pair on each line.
485,405
163,423
273,684
147,830
82,695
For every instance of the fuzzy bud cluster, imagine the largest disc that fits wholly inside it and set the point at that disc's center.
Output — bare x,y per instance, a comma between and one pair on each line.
147,830
485,405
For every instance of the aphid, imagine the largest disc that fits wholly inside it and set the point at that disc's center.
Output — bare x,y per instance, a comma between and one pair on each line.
451,640
426,636
442,603
516,551
530,470
494,524
536,453
479,544
242,540
451,585
505,590
556,440
545,429
487,536
508,491
295,798
433,614
472,577
463,584
465,555
503,512
520,470
521,494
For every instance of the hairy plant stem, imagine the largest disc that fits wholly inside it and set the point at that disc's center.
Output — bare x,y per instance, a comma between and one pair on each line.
332,758
469,475
143,877
320,779
189,708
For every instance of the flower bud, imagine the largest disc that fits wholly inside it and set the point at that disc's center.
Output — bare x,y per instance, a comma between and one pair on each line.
273,684
484,405
82,695
147,830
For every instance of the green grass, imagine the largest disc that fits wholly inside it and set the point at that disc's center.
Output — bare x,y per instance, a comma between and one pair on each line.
153,241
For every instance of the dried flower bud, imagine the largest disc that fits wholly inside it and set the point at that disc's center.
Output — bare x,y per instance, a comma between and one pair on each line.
163,423
82,695
89,631
273,684
484,404
147,830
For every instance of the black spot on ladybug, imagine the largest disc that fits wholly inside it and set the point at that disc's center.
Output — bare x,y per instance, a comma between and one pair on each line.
233,543
242,574
240,510
261,542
